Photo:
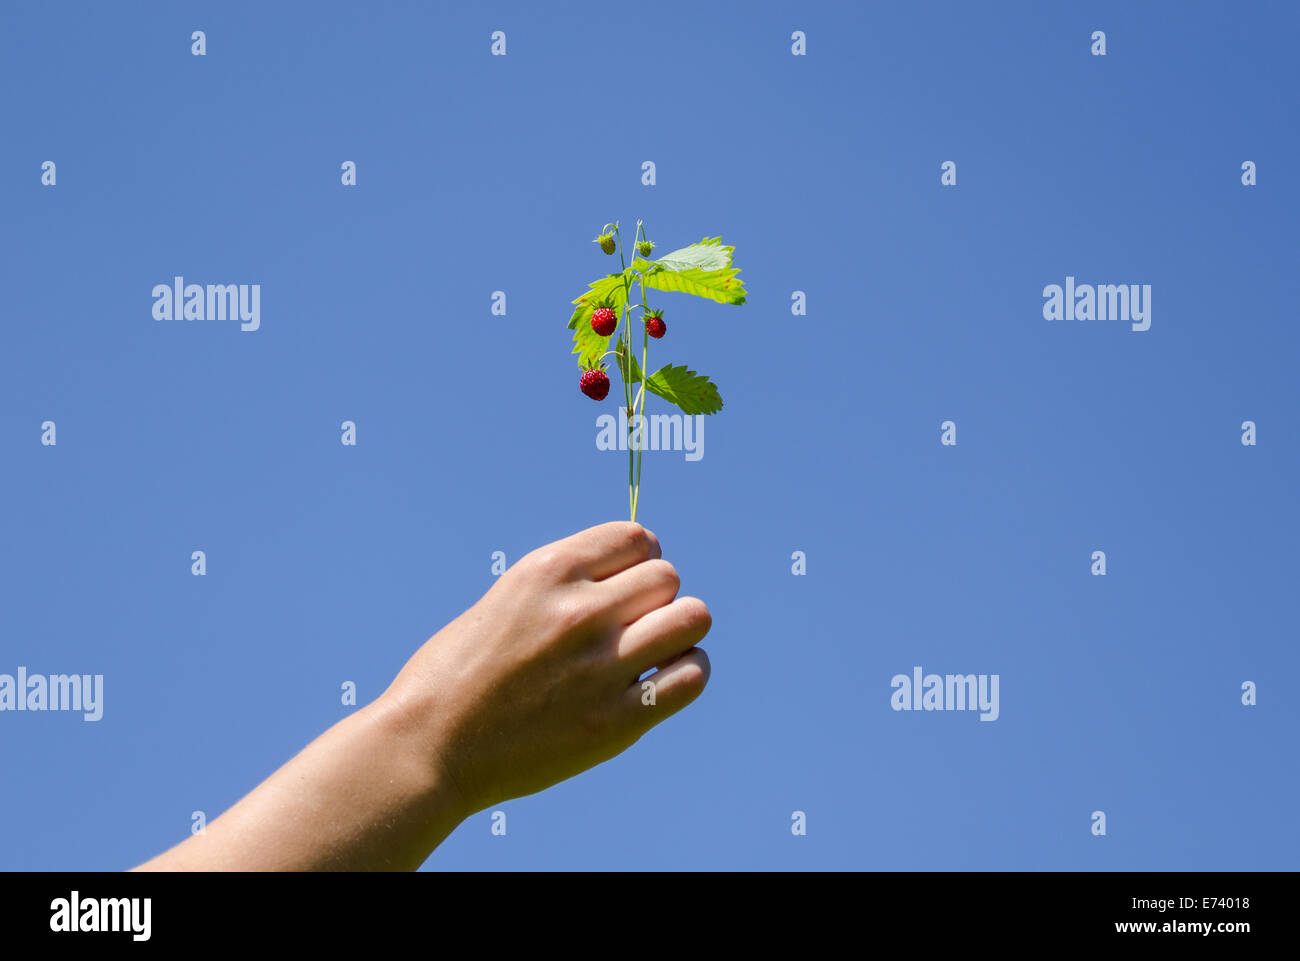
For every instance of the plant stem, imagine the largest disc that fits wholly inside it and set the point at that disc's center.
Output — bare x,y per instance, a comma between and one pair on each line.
625,369
636,417
645,367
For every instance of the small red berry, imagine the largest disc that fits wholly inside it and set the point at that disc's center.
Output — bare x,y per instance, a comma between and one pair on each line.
603,321
655,326
594,383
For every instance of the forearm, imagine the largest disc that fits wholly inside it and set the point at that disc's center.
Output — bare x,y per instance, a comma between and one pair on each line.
365,795
538,681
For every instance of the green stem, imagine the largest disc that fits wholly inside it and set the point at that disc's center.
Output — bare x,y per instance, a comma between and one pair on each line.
625,369
645,367
635,406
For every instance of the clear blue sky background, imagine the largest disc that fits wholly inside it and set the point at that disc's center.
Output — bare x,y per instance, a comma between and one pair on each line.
478,173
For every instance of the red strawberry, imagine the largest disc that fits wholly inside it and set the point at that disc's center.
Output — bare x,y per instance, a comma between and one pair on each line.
594,383
654,324
603,321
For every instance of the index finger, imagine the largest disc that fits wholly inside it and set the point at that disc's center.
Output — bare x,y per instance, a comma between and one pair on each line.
607,549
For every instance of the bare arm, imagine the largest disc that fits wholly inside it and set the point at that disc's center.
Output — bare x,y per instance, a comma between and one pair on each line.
535,683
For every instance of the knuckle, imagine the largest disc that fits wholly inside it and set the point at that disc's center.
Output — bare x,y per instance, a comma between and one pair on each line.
697,614
536,560
668,574
637,539
570,610
690,678
552,560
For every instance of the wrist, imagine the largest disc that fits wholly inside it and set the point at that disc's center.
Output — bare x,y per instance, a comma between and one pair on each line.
419,761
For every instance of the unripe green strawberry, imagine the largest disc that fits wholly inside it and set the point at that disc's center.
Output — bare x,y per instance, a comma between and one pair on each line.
606,242
644,247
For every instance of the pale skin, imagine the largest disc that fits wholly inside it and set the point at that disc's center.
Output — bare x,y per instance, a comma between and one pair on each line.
538,681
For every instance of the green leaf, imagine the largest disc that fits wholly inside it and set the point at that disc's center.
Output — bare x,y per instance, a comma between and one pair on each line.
720,285
693,393
587,344
702,269
708,254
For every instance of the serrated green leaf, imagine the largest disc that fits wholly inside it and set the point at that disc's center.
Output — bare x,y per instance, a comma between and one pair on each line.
708,254
702,269
693,393
587,344
720,285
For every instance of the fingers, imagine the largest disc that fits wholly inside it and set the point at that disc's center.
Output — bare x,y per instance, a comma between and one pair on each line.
607,549
671,688
628,596
663,634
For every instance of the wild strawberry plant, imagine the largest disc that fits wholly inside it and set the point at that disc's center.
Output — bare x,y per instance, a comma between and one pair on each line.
603,314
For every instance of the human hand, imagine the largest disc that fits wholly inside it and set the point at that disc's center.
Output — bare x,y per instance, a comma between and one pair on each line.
539,680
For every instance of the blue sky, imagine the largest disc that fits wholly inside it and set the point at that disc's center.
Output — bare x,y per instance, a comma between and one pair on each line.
477,173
